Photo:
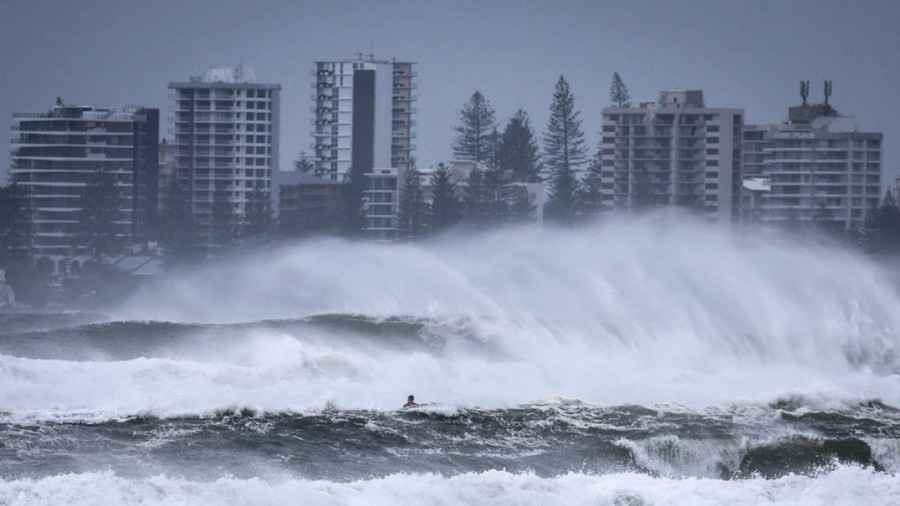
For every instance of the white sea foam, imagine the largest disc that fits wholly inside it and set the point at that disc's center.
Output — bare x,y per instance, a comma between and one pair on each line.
646,312
843,486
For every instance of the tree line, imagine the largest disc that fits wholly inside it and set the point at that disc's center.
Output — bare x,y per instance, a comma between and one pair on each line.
513,156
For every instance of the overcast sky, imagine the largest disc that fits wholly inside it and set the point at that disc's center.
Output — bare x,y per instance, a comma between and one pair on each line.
749,54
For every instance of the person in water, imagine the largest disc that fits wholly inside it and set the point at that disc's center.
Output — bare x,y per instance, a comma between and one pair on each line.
410,402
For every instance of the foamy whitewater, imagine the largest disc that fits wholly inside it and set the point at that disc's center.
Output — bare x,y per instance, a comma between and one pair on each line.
657,361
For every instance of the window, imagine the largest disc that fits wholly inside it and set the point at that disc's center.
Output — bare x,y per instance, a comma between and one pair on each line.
260,139
712,186
712,163
251,93
712,140
712,128
713,151
249,139
712,174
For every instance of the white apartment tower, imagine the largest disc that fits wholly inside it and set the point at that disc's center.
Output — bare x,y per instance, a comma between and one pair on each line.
363,116
818,166
226,139
676,151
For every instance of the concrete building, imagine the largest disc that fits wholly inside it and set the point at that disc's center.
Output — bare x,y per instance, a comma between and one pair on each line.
308,205
753,191
363,116
676,151
818,165
381,203
54,155
226,131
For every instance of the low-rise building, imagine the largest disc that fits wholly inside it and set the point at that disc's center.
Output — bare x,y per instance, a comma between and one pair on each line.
308,205
381,203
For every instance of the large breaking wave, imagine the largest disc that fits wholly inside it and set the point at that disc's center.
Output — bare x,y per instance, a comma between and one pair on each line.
645,312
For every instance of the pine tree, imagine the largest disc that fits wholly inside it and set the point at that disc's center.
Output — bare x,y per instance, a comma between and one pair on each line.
476,199
590,198
493,161
100,203
473,134
445,205
518,151
413,211
564,153
618,92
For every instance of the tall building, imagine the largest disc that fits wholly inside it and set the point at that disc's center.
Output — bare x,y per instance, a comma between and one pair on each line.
363,116
56,154
676,151
226,128
818,166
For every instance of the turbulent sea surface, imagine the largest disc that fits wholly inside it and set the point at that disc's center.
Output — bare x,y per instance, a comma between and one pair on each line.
646,363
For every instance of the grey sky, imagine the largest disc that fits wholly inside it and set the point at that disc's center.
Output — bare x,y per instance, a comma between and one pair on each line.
749,54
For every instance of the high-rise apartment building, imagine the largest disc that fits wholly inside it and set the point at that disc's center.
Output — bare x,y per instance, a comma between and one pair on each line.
819,166
676,151
363,116
57,154
226,128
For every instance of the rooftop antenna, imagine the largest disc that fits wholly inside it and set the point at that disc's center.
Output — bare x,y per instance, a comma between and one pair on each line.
804,90
827,91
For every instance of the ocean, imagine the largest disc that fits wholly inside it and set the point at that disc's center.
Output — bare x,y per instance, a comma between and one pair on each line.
643,363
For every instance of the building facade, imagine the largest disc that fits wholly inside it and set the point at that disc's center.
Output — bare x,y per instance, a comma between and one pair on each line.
226,137
308,205
55,157
676,151
381,203
363,116
819,166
